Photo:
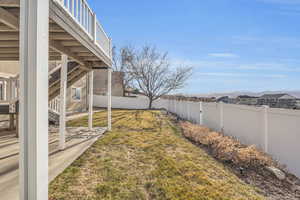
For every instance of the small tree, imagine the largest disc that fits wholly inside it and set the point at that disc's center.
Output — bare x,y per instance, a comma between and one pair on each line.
152,74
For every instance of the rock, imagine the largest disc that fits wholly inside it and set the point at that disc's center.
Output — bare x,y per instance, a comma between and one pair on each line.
296,188
277,172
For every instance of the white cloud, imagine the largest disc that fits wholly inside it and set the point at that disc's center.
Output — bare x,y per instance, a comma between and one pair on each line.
287,2
283,65
223,55
224,74
276,41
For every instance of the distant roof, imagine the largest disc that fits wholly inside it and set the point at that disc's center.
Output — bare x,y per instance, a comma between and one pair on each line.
247,96
276,96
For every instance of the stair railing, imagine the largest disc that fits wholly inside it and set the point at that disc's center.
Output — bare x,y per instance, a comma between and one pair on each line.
9,90
54,105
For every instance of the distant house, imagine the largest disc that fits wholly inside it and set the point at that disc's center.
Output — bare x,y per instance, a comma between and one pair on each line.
100,83
185,98
227,99
279,101
246,100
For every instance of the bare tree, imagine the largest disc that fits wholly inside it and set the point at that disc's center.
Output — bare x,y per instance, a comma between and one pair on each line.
152,73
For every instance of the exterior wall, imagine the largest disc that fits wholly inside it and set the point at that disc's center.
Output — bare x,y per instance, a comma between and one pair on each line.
12,68
78,105
122,102
9,67
100,83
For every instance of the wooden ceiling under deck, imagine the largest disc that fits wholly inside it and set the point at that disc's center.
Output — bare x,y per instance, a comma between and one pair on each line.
60,41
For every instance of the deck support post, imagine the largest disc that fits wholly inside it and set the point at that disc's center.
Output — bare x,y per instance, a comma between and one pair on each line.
11,122
91,96
63,93
5,90
34,39
109,99
8,90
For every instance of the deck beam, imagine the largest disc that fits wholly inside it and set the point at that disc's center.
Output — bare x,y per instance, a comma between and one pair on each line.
8,19
57,46
10,3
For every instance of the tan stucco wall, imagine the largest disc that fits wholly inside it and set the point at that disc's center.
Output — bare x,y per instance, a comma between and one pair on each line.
9,67
78,106
100,83
13,67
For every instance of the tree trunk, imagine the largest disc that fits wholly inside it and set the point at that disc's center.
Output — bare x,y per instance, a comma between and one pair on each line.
150,103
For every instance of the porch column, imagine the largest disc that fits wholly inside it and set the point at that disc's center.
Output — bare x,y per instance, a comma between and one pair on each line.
8,90
91,96
109,99
4,90
62,109
34,38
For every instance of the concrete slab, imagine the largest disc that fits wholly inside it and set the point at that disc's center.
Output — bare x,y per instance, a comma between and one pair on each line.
78,141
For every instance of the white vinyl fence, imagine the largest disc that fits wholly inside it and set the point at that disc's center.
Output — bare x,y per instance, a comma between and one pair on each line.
275,131
122,102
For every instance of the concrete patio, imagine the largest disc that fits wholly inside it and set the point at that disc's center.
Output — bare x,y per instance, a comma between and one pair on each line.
78,140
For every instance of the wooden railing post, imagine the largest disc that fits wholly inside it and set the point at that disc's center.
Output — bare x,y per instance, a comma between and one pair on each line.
95,28
110,47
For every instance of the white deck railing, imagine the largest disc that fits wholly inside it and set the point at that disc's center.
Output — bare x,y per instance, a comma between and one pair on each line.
54,105
9,90
80,11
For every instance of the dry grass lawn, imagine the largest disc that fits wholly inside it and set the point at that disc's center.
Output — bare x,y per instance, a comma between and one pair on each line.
145,157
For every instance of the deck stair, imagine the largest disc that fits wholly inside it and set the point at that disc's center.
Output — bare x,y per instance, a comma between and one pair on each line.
75,72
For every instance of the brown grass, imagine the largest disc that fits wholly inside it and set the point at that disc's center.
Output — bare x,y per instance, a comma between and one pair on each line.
145,157
226,148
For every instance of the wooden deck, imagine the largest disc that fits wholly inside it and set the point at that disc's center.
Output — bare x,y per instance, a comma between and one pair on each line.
77,40
78,34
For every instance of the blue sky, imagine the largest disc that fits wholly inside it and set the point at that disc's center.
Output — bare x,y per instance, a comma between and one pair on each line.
233,45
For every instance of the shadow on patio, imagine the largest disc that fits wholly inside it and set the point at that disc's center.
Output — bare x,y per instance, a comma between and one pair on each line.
77,141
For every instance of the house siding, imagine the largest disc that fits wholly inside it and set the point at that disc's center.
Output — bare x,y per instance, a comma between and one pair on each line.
100,83
78,105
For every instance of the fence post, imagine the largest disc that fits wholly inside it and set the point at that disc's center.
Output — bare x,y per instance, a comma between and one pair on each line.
180,109
175,107
188,111
266,128
201,114
221,116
